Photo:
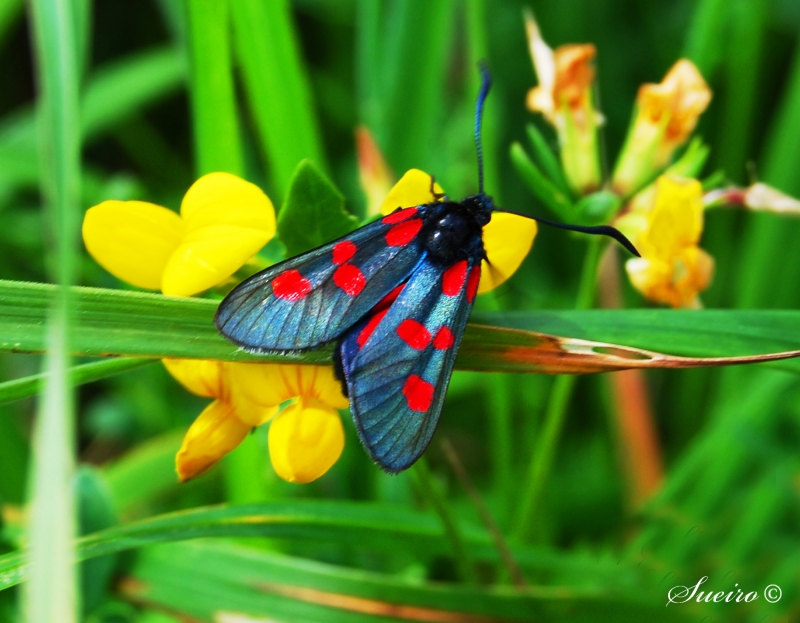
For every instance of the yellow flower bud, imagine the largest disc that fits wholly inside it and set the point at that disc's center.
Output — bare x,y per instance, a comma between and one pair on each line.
305,440
666,115
213,434
564,97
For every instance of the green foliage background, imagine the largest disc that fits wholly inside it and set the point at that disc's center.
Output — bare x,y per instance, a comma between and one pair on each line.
159,106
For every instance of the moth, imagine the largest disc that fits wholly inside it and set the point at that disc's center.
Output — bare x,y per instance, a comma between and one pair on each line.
395,297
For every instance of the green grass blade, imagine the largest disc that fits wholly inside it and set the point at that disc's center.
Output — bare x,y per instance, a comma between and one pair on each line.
758,257
538,183
134,324
79,375
51,594
417,35
705,41
277,86
216,128
177,577
115,92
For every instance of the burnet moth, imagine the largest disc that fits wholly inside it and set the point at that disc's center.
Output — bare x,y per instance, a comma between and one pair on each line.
394,296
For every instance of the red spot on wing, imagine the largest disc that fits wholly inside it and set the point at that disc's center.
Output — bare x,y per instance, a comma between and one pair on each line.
472,282
400,235
291,286
364,334
454,277
387,300
444,339
414,334
350,279
399,216
343,251
418,393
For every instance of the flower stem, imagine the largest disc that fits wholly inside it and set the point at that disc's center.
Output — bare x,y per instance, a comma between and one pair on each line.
428,490
545,448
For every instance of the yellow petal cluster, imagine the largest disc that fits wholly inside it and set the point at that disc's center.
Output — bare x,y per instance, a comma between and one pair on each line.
223,222
507,238
666,115
303,444
665,225
564,97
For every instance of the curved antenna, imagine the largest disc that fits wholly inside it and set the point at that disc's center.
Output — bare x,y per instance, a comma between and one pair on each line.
598,230
486,83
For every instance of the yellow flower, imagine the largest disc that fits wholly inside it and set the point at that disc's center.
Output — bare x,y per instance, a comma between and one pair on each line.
564,97
666,115
665,223
223,222
507,238
305,439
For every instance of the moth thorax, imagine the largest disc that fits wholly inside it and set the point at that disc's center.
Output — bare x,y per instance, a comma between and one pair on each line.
447,238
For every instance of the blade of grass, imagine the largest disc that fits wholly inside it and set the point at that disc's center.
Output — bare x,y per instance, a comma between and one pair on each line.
277,87
417,35
706,37
79,375
177,577
546,446
10,11
51,594
216,127
134,324
433,496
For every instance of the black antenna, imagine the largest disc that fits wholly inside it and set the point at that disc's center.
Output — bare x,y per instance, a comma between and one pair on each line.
486,83
598,230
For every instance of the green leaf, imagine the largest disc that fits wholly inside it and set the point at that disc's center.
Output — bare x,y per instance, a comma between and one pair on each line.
145,472
547,159
216,128
277,86
95,513
79,375
539,185
134,324
178,578
417,36
313,213
51,592
598,207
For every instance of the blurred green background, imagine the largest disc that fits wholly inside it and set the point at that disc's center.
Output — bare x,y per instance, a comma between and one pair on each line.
729,503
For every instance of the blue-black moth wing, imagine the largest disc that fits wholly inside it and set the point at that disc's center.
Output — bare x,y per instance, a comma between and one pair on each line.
312,299
397,362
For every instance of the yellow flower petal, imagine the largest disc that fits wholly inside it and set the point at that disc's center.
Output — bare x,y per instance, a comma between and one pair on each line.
507,239
305,440
208,256
200,376
677,282
224,199
676,219
413,189
270,384
672,269
133,240
666,115
214,433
